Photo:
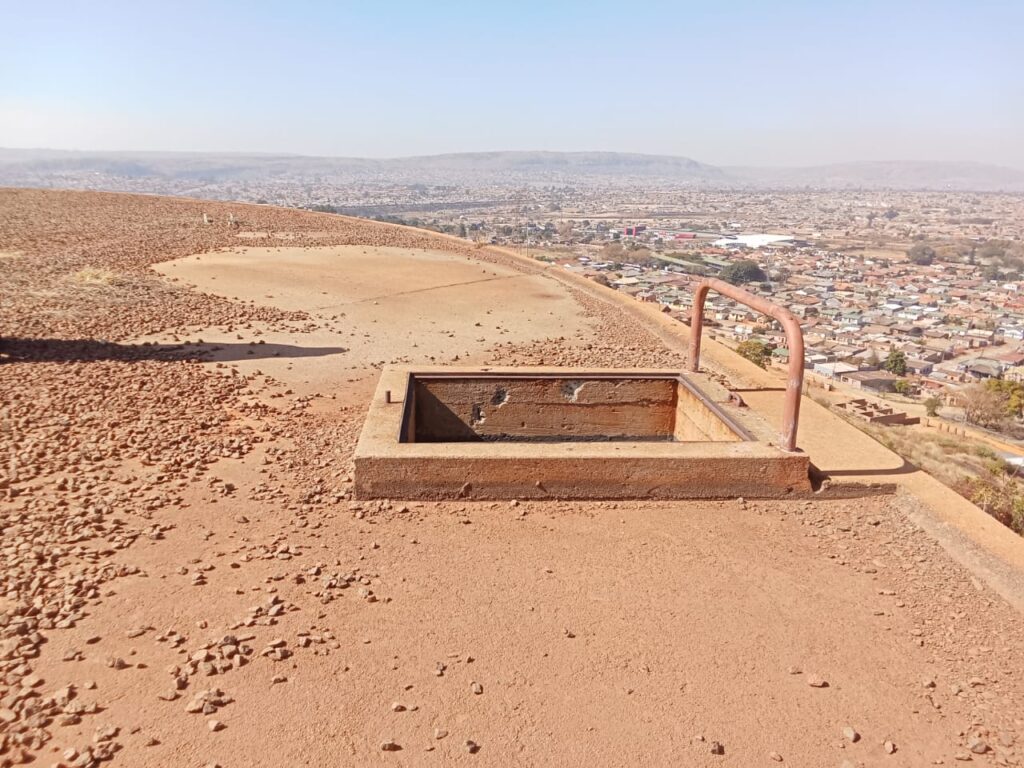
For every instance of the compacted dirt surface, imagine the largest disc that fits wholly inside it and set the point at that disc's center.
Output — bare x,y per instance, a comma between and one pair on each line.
187,581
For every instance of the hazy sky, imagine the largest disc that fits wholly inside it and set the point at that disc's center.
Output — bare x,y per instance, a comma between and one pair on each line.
724,82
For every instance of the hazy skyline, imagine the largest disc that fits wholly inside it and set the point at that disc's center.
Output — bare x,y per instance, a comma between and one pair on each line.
741,83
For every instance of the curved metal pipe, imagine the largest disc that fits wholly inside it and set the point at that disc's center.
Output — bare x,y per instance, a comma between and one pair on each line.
794,337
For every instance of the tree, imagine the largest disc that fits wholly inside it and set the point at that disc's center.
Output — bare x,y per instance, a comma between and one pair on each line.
613,252
984,406
921,254
896,363
641,256
993,249
1000,494
931,406
755,351
902,387
1014,393
743,271
990,272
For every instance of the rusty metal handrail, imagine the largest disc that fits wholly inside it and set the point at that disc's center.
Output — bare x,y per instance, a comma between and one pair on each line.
794,337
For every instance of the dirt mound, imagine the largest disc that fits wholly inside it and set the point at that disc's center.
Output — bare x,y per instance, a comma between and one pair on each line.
186,579
81,260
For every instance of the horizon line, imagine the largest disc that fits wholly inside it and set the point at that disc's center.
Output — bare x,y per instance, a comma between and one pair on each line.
391,158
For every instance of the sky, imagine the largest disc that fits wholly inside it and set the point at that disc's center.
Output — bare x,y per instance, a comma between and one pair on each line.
725,82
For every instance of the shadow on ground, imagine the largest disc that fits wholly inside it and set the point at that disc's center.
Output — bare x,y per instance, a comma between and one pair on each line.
17,350
905,468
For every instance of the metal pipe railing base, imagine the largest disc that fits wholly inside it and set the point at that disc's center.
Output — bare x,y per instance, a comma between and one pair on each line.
794,338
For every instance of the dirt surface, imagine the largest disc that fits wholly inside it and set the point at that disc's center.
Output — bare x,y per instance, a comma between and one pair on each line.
377,306
187,581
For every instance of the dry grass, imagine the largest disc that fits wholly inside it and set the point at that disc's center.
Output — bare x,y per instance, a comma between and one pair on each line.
95,276
939,455
969,467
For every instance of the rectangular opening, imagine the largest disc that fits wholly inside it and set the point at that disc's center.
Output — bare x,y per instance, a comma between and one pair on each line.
568,433
532,408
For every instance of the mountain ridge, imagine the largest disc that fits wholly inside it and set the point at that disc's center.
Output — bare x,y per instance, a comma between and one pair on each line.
514,166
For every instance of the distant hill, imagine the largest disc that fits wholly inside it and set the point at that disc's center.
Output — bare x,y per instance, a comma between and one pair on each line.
895,174
496,166
34,167
569,163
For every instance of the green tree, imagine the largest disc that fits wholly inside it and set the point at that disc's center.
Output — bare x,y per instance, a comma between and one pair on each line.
743,271
921,254
896,363
931,406
902,387
755,351
1013,392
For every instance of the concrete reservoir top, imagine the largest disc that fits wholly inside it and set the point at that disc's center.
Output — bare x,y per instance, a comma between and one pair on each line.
493,433
560,407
